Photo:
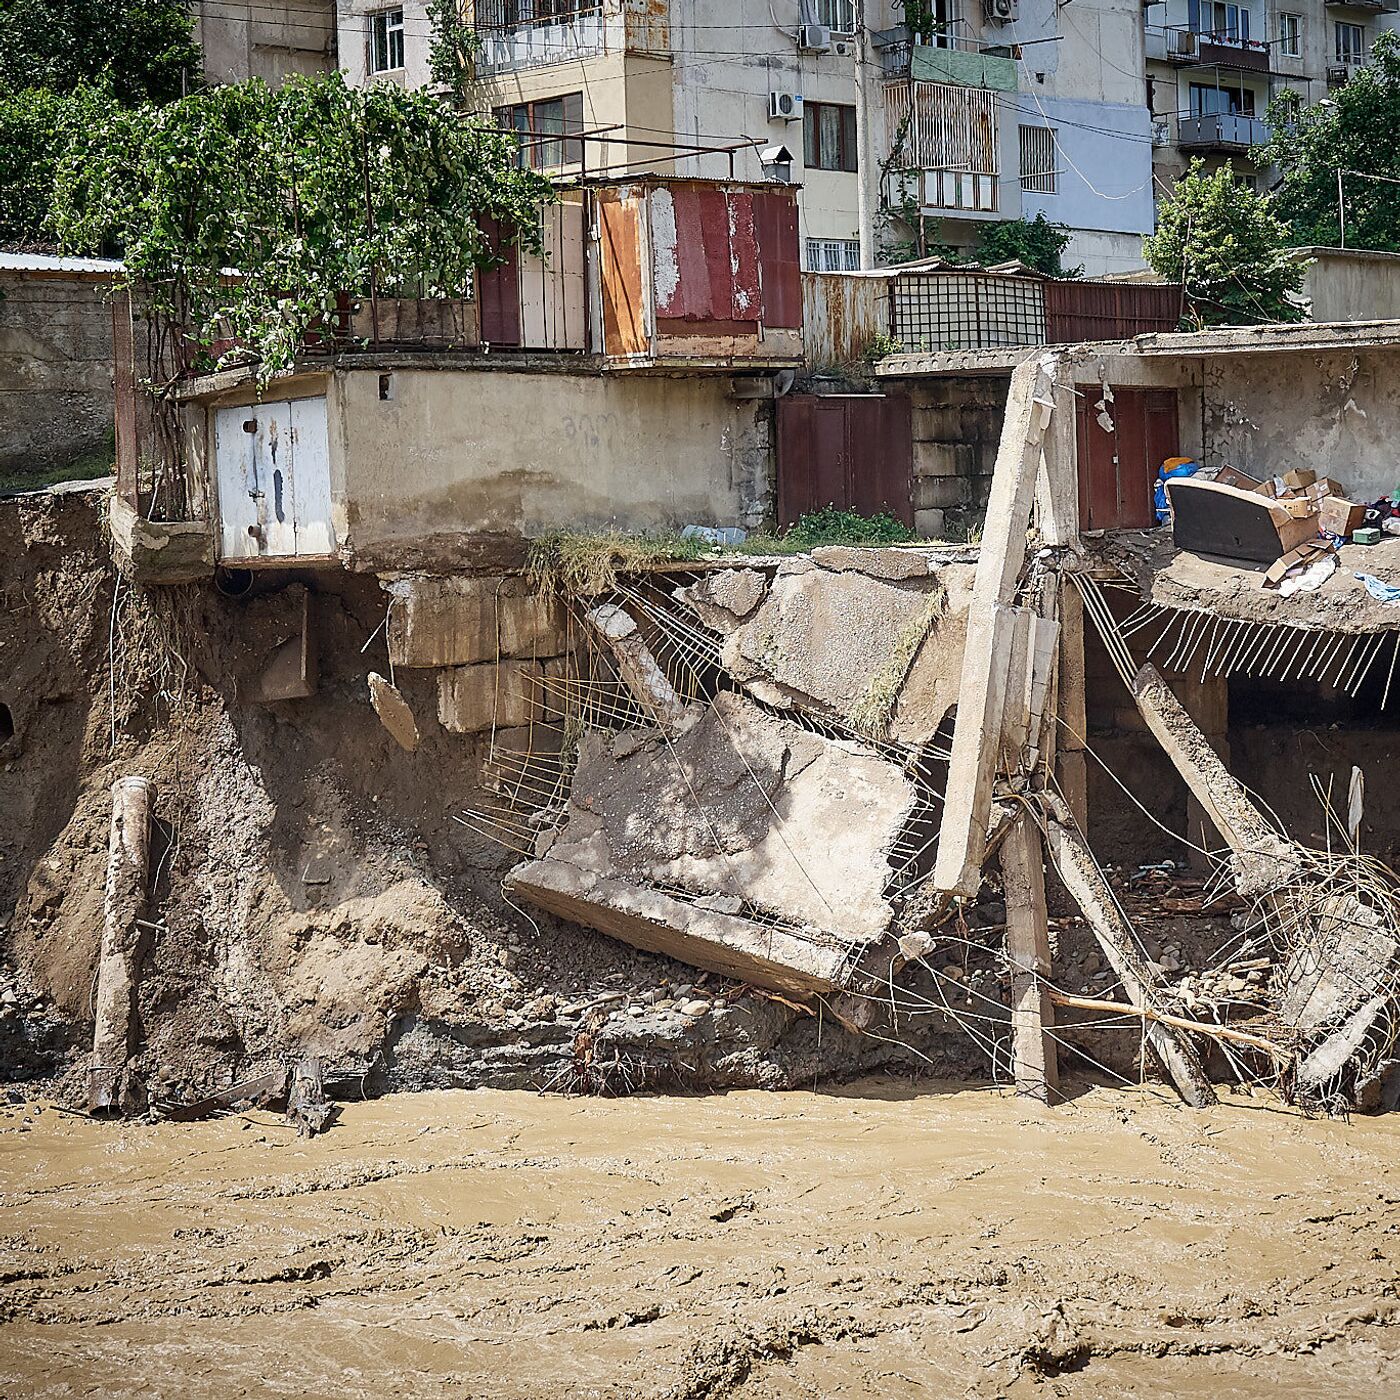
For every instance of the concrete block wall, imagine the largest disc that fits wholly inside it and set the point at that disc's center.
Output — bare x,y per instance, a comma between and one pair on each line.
956,427
56,397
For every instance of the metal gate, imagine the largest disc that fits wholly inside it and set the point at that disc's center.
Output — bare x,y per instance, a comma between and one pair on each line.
1118,464
853,451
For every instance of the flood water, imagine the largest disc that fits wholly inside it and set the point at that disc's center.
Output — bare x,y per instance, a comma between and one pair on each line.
875,1241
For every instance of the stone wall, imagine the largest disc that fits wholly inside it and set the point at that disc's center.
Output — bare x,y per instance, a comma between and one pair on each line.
55,369
957,426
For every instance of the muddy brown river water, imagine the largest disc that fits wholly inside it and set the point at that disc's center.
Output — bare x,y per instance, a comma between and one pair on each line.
874,1241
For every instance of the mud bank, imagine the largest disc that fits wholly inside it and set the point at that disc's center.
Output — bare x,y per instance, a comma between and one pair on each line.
878,1241
312,893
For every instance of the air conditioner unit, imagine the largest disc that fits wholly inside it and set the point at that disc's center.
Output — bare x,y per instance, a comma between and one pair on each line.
1187,43
784,106
814,38
1000,11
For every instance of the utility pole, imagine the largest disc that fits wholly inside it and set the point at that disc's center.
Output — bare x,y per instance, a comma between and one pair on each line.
864,218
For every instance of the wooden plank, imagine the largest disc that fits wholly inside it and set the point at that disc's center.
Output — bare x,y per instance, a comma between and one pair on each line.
977,729
620,253
1035,1064
1086,884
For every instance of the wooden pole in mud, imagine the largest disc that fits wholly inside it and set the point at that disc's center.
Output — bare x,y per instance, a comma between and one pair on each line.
1035,1064
127,869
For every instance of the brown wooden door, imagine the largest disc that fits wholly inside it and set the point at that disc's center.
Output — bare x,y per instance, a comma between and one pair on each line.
852,451
1118,468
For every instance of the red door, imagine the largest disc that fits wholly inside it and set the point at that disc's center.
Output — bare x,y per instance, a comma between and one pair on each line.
852,451
1118,464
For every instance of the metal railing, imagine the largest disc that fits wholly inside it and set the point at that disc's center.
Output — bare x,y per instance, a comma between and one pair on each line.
1233,130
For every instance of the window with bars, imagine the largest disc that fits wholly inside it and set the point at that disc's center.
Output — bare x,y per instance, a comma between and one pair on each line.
829,136
833,255
386,41
535,123
1038,173
939,126
505,16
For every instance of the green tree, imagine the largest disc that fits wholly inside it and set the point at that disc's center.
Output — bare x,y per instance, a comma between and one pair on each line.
1354,129
1223,241
143,49
1036,242
243,214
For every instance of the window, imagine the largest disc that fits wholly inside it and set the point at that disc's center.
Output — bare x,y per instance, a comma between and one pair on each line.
1290,36
1226,24
535,122
833,255
839,16
1351,43
1209,101
386,41
1038,174
828,136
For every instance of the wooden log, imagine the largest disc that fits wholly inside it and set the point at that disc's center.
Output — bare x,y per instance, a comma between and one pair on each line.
977,731
1082,878
1119,1008
118,962
1035,1063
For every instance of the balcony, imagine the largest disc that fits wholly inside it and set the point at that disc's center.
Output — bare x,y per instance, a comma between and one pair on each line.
1229,132
534,42
1182,46
1370,7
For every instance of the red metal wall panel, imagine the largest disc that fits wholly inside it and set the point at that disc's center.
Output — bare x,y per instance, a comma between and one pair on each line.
708,282
850,451
498,291
1117,469
779,259
1109,310
745,300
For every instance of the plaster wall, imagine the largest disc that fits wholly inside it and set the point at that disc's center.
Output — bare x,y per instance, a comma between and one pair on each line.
517,454
1346,285
56,397
1337,414
352,24
265,39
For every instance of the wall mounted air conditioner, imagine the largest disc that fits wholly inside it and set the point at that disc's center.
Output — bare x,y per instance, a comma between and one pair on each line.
1186,43
814,38
784,106
999,11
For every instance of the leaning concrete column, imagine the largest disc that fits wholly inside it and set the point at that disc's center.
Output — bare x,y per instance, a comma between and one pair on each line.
127,864
1036,1065
639,669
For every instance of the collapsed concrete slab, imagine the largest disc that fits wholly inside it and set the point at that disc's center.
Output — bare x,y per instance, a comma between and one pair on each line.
747,845
874,640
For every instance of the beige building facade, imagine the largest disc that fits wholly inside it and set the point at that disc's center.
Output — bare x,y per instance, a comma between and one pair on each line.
244,39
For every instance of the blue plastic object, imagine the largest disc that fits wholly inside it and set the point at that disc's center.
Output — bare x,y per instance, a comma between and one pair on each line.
1159,495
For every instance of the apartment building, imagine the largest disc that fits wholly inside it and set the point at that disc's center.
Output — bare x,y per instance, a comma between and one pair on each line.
1214,67
1014,107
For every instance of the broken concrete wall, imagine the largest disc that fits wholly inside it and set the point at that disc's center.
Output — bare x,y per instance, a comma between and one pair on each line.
747,844
56,397
870,637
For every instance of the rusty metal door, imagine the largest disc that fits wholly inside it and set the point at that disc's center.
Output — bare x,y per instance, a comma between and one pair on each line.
852,451
1118,463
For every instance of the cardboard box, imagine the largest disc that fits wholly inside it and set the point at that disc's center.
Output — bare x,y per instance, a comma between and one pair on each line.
1339,516
1233,476
1299,478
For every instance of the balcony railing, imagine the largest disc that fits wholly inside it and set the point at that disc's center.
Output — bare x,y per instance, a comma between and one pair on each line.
1221,131
1375,7
522,36
1170,43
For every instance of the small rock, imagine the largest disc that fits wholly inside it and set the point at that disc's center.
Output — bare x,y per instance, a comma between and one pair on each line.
1237,984
694,1008
1091,964
953,971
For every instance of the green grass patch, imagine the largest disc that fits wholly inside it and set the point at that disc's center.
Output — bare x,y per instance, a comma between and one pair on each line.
97,461
583,565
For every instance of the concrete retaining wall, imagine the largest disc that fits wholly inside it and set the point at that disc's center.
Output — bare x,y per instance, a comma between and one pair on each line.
957,425
56,398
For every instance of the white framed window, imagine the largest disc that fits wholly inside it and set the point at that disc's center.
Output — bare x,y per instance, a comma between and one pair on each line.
839,16
833,255
1351,42
386,41
1290,35
1038,173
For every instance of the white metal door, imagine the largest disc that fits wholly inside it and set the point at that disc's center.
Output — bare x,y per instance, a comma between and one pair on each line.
272,466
